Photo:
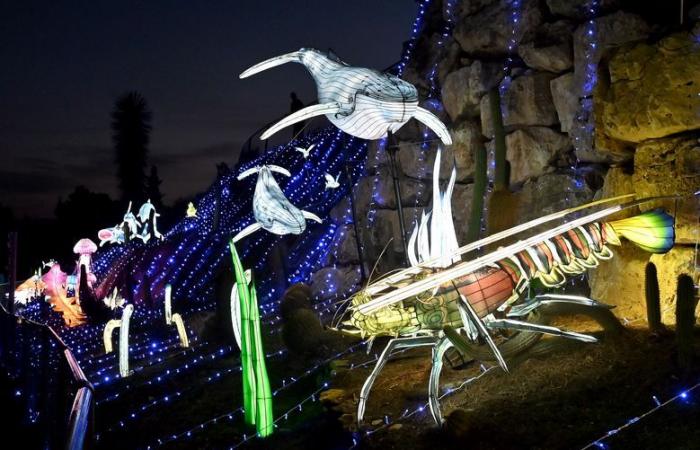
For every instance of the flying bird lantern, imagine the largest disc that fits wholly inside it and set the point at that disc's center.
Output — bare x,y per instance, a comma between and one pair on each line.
362,102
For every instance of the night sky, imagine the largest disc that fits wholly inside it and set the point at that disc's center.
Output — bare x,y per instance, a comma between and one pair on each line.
65,64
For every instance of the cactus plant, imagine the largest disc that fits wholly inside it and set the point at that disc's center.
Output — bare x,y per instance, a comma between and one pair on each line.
651,284
685,320
503,203
499,140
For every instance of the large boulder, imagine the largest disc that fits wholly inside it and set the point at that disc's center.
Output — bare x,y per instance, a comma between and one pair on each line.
668,75
330,282
591,144
679,261
618,181
671,166
343,247
579,9
550,50
610,31
377,191
466,139
531,152
620,281
550,193
488,31
565,100
417,161
462,198
526,102
463,88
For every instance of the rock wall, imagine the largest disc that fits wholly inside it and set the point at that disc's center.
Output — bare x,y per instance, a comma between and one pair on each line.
593,106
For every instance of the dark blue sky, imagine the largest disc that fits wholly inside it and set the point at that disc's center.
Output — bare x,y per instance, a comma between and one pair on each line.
64,64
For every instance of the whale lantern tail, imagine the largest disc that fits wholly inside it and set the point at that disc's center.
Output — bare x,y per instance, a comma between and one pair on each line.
652,231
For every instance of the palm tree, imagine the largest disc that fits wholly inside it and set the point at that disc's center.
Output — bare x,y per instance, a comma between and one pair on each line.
131,126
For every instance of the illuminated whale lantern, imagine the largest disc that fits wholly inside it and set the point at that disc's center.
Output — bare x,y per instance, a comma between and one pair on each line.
362,102
272,211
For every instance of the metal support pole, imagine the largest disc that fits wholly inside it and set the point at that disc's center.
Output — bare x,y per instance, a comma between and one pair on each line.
351,196
392,147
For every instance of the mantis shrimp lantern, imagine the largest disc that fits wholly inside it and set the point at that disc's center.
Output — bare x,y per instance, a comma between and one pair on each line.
442,301
362,102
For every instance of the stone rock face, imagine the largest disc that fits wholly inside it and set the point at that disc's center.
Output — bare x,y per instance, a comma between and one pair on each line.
668,166
669,266
565,100
488,30
618,181
418,162
531,151
668,75
611,31
380,228
466,138
578,9
330,281
620,281
526,102
551,49
550,193
590,143
463,88
342,213
461,207
344,247
378,191
467,8
449,62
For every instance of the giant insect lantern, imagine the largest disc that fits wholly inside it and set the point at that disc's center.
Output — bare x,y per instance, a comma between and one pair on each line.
442,301
362,102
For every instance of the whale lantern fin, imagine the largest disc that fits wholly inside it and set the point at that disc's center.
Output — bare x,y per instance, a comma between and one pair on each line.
431,121
303,114
279,169
250,229
248,172
311,216
270,63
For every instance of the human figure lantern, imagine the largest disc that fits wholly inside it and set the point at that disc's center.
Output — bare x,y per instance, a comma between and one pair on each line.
362,102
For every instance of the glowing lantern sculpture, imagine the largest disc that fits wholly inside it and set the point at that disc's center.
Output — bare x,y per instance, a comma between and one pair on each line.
85,248
272,211
421,306
362,102
257,395
175,319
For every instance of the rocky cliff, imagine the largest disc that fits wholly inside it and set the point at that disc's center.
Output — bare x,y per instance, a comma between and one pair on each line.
596,102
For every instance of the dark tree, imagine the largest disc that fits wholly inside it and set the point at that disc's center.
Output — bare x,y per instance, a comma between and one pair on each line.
131,126
153,183
82,214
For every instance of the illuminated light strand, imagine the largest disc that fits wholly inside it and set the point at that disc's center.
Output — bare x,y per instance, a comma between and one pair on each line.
425,406
416,31
167,398
190,431
159,377
683,395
